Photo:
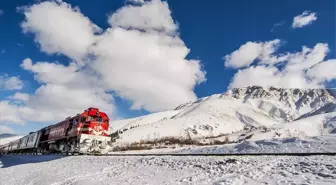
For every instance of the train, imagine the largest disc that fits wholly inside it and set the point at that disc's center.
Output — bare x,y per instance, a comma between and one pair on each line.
84,133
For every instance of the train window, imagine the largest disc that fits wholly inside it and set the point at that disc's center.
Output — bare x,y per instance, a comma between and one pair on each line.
75,121
99,119
90,118
83,119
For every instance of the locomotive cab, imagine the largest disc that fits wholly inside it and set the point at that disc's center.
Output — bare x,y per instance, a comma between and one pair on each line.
94,122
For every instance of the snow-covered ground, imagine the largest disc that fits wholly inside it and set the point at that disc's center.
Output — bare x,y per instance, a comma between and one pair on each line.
169,170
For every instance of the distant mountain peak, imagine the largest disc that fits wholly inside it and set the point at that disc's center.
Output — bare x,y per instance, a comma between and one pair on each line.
6,135
261,92
294,98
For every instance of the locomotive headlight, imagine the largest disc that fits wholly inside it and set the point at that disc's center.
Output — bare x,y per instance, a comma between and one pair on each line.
87,142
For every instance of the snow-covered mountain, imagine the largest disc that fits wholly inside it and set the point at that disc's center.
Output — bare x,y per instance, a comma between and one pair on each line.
5,135
242,113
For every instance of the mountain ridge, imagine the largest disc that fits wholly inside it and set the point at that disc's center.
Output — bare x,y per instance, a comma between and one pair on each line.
6,135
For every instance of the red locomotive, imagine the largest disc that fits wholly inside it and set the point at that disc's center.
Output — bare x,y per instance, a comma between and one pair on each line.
86,132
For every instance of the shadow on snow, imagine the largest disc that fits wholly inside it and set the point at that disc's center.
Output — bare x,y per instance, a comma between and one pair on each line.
13,160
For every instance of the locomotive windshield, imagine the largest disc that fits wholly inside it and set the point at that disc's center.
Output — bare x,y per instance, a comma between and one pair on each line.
90,118
97,119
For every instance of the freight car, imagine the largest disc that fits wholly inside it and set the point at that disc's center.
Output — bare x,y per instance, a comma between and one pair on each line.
86,133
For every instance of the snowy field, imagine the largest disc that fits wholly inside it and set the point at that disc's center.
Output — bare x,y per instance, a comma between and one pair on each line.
90,170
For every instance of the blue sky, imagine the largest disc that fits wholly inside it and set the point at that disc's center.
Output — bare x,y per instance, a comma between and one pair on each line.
211,31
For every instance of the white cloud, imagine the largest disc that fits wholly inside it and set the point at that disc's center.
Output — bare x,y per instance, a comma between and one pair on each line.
252,51
277,25
244,56
10,83
46,72
5,129
10,113
270,76
20,96
267,53
64,91
20,44
1,12
152,72
324,71
152,15
59,28
305,69
306,18
307,58
256,75
136,1
139,58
